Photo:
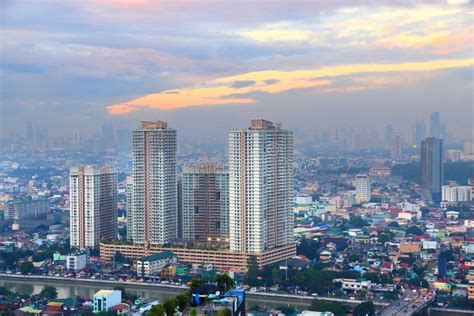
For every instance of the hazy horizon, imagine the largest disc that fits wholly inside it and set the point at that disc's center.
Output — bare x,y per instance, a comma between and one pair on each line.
207,66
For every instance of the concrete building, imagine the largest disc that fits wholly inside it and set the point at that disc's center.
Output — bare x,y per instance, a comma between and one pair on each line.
154,215
260,187
470,290
397,147
105,299
354,284
129,200
435,126
149,265
220,259
93,205
205,203
363,188
27,209
456,193
76,262
432,170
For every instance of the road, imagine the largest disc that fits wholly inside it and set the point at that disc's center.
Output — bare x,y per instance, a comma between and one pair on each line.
412,301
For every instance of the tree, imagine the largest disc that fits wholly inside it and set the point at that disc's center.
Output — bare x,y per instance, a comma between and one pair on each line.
383,238
182,301
49,292
118,257
393,224
252,272
354,257
364,309
224,312
26,267
287,310
196,283
308,248
359,222
193,312
170,306
157,310
414,230
224,282
446,254
335,307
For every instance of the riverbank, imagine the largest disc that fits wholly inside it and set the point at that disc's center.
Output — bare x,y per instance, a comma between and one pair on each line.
69,287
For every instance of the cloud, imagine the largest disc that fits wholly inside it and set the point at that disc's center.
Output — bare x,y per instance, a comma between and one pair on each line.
243,83
218,91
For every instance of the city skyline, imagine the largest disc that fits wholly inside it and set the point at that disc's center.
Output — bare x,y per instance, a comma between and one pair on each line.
325,59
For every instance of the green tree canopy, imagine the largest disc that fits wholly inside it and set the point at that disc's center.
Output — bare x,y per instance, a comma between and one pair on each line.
26,267
170,305
224,282
157,310
364,309
414,230
335,307
49,292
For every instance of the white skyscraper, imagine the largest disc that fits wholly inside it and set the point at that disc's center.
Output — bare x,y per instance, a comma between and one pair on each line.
93,206
362,185
260,187
154,214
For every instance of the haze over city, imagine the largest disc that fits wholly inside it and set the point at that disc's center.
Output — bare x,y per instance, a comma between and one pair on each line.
232,158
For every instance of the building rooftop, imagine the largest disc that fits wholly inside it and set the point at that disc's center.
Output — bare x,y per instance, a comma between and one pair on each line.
158,256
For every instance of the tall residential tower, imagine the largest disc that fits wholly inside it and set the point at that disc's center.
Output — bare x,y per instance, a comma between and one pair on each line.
260,187
154,215
205,203
93,206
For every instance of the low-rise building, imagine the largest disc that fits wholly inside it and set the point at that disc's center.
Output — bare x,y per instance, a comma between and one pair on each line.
105,299
76,262
470,290
354,284
152,264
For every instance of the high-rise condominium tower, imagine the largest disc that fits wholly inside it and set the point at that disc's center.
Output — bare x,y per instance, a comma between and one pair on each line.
432,168
397,147
205,203
93,205
435,125
363,189
153,216
260,187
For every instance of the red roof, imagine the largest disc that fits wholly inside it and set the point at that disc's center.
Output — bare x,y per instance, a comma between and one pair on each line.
120,307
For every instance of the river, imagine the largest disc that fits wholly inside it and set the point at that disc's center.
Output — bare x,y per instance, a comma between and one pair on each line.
86,288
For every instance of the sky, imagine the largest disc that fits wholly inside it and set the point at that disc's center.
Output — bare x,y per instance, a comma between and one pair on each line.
208,66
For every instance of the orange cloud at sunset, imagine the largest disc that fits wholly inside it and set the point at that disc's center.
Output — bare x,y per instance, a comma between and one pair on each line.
223,91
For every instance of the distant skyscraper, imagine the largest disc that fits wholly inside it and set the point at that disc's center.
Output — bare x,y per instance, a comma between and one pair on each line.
435,126
363,187
29,132
397,147
154,213
261,185
93,205
432,168
107,140
124,137
420,132
388,135
205,203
